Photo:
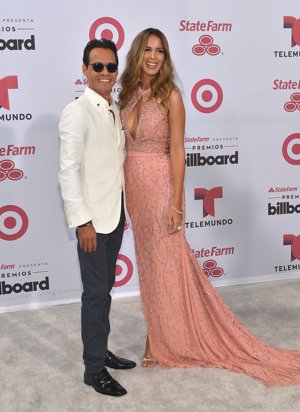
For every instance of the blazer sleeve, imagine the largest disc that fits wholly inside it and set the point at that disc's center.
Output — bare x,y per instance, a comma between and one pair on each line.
73,131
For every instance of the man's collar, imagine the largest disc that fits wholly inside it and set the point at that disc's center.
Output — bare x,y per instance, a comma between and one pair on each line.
95,99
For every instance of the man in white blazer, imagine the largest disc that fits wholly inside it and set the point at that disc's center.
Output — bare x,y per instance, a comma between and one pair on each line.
91,180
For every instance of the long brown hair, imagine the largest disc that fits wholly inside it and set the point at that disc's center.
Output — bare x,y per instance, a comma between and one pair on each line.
162,84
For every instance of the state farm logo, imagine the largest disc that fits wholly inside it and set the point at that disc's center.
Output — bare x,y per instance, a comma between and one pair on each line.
207,96
211,268
210,25
294,242
292,23
206,45
293,104
208,197
124,270
14,42
6,84
291,149
108,28
9,171
13,222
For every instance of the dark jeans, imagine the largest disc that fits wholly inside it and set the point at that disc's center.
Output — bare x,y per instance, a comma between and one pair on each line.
98,276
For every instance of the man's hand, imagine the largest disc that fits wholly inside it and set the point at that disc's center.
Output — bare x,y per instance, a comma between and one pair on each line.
87,238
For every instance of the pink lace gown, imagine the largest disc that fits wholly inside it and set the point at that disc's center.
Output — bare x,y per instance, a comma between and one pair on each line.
188,323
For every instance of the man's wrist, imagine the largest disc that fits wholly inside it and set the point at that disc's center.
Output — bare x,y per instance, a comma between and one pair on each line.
85,224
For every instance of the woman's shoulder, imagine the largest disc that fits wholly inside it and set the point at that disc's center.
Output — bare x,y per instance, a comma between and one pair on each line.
175,97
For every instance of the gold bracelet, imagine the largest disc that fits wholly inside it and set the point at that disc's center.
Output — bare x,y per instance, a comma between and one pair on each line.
180,212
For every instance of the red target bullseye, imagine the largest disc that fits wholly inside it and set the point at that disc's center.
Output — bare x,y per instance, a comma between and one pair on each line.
124,270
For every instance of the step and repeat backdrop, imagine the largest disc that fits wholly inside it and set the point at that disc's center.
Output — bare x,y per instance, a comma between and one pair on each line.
237,65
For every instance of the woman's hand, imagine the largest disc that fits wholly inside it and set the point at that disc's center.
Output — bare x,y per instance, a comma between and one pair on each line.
174,221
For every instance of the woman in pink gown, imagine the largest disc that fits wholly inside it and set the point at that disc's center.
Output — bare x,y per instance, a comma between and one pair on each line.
188,324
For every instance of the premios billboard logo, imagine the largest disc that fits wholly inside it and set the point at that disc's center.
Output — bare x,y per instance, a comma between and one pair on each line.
11,272
12,34
283,201
211,151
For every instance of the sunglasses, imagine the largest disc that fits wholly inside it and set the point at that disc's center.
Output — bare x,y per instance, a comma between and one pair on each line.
98,67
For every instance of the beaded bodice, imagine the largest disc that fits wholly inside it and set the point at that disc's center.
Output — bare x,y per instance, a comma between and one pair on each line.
152,128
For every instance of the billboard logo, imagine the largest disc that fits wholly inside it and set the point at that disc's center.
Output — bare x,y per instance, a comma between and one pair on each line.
210,268
206,45
8,171
13,222
7,289
207,96
292,23
294,242
208,197
293,104
108,28
124,270
18,44
291,149
7,83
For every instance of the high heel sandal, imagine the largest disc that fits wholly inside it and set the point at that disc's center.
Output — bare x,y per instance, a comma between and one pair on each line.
148,362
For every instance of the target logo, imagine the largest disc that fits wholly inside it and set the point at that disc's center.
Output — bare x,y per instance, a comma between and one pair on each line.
210,268
291,149
294,242
13,222
7,83
293,104
8,171
207,96
290,22
206,46
124,270
208,197
108,28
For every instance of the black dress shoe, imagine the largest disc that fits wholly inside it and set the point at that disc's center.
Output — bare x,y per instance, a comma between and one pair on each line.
102,382
114,362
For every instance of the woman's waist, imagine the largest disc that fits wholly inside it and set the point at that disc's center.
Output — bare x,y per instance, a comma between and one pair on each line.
135,153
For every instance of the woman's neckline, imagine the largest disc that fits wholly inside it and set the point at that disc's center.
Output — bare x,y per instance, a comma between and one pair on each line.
144,91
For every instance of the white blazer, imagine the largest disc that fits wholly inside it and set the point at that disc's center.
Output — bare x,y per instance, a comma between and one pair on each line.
91,162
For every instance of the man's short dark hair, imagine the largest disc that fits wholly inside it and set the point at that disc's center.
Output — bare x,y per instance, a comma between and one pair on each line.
103,44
